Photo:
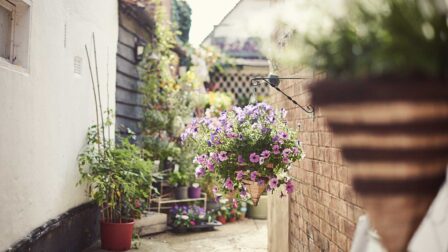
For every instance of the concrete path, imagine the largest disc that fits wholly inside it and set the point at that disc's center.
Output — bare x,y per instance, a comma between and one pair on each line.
247,235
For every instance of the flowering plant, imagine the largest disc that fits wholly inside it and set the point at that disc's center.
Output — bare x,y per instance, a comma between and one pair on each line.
250,145
188,216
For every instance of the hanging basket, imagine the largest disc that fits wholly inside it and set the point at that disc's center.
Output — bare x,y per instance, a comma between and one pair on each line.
255,190
394,135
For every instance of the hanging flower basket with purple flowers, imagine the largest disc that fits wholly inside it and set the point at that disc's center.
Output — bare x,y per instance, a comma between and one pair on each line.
248,149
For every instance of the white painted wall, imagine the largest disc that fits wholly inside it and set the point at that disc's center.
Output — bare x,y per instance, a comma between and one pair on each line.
45,111
237,24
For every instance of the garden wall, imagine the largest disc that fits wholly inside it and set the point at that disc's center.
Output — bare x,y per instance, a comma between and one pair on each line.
47,105
323,210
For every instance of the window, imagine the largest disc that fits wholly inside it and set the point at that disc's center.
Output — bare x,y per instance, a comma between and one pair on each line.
14,33
7,13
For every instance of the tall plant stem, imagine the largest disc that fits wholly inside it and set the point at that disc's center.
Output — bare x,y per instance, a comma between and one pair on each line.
96,102
99,92
107,93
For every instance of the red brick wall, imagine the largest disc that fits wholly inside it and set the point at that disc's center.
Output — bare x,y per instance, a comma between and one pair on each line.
324,210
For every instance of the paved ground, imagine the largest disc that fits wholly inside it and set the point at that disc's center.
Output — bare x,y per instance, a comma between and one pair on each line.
248,236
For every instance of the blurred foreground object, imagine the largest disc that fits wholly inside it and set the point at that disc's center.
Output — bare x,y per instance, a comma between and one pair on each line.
386,101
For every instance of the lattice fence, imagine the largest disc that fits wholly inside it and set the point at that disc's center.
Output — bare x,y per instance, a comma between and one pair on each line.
238,83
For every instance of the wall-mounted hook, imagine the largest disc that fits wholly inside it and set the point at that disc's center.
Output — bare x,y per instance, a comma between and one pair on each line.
274,81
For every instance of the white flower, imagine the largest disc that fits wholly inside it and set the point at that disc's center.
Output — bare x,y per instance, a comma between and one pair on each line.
184,217
282,175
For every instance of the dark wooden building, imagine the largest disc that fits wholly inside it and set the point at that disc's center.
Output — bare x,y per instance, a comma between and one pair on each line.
136,25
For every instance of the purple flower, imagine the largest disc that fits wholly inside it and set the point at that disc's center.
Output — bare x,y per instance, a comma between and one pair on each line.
260,182
215,190
254,158
201,159
286,152
295,150
222,156
283,135
285,160
232,135
253,175
228,184
243,192
239,175
265,130
214,156
265,153
210,166
273,183
240,159
223,117
199,172
276,149
289,187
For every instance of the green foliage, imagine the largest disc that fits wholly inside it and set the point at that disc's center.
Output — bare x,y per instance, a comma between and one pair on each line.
118,177
178,178
182,18
399,37
218,102
217,62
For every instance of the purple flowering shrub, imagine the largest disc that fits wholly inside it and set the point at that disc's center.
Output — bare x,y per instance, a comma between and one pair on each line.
188,216
253,143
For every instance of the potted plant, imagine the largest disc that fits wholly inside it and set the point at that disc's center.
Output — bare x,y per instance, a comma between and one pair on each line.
242,210
222,214
232,215
179,180
385,96
119,180
248,149
194,191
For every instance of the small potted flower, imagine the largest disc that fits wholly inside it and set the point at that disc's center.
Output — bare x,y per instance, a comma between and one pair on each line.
194,191
232,215
247,149
179,180
222,214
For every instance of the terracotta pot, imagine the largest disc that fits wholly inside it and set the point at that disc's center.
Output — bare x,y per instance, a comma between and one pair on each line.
116,236
394,136
221,219
255,190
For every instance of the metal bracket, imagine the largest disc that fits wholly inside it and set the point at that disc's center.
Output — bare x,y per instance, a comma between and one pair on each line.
274,81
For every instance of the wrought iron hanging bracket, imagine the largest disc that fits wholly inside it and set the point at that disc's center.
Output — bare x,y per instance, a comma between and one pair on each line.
274,81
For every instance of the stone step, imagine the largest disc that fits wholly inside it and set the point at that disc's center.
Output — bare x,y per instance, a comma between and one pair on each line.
151,223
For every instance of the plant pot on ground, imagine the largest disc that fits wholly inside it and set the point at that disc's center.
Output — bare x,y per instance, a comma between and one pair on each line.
261,210
386,100
221,219
118,179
